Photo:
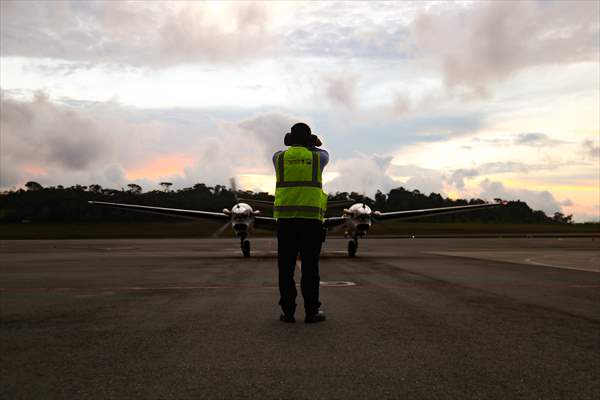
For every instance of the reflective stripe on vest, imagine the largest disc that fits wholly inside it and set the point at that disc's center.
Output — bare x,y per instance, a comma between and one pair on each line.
298,192
299,208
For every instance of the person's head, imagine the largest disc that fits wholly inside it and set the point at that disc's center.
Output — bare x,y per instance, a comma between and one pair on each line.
300,135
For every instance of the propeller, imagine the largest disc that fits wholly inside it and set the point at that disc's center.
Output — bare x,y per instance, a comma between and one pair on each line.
337,228
233,184
219,231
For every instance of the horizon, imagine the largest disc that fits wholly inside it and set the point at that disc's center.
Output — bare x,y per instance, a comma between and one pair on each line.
465,99
349,194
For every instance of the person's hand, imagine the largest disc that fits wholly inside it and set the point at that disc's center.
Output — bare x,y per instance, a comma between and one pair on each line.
316,141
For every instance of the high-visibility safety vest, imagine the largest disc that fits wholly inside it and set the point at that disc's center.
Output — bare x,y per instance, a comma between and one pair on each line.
299,189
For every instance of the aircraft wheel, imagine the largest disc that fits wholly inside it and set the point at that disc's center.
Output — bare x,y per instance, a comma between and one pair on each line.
246,248
352,246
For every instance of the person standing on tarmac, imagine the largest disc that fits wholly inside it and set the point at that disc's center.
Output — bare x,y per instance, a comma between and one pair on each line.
299,208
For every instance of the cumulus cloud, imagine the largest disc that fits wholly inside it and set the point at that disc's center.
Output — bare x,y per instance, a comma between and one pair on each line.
341,89
457,178
413,177
363,174
41,132
537,200
242,146
482,43
101,143
154,34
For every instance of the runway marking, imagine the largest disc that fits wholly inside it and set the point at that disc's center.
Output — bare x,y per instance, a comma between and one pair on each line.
337,284
578,261
325,284
530,260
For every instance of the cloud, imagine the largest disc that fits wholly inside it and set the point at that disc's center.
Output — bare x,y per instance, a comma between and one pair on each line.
535,139
479,44
590,149
537,200
239,146
401,105
102,143
413,177
325,31
566,203
41,132
457,177
115,174
362,174
153,34
341,89
583,217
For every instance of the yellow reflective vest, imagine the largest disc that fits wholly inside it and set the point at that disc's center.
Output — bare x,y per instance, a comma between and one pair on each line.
299,189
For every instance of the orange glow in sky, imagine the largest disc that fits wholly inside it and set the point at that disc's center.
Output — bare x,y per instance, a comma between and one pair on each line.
160,167
34,169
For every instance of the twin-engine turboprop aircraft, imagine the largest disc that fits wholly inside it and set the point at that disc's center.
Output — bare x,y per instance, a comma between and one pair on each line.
243,219
357,219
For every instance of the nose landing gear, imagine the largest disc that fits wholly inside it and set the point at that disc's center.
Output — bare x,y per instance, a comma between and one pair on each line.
245,244
353,242
352,246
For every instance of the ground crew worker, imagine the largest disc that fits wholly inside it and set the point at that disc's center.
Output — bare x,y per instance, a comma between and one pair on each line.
299,207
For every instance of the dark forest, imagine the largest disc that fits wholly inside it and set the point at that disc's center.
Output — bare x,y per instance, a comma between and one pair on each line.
69,204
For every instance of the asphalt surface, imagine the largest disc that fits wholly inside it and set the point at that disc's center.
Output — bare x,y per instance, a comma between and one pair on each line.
419,319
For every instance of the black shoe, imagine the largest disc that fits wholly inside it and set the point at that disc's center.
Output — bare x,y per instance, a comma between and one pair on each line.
319,316
287,318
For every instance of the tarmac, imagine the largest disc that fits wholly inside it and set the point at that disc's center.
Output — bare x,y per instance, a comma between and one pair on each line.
407,318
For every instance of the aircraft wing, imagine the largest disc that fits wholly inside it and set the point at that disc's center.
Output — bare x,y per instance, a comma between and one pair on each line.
332,222
430,212
269,203
172,212
265,223
256,203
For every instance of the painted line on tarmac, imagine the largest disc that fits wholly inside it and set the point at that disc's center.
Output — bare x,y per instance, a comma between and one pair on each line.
326,284
530,260
513,258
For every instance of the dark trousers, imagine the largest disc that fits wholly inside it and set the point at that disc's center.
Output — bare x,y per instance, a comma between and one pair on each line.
299,236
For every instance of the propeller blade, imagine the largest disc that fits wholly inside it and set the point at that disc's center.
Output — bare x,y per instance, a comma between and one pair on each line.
233,184
219,231
337,228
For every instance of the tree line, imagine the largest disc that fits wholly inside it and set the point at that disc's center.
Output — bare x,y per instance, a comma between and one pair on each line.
61,204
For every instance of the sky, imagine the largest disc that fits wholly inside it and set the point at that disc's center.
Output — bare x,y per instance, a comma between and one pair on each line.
480,99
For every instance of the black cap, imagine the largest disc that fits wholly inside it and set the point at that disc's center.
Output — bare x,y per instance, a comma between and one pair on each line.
300,133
